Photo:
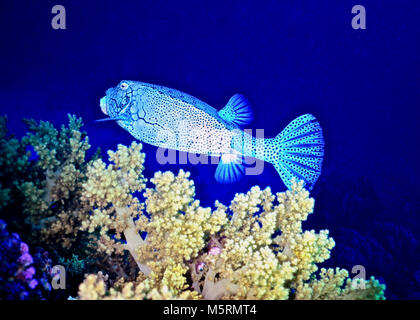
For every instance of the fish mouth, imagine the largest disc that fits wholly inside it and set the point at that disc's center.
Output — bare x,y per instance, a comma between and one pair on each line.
102,104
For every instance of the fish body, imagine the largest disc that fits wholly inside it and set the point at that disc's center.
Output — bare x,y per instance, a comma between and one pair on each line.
169,118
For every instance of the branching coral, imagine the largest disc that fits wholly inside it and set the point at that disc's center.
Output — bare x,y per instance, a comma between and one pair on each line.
94,288
178,229
157,242
194,252
108,190
176,226
50,185
335,285
52,202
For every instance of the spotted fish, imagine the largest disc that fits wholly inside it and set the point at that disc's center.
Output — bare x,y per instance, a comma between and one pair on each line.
169,118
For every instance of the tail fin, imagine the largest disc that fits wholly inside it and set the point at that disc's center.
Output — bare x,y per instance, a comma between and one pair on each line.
299,151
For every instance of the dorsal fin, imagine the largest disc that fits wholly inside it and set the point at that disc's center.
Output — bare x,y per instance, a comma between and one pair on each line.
237,111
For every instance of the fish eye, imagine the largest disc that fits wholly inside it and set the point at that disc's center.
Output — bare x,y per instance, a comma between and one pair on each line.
124,86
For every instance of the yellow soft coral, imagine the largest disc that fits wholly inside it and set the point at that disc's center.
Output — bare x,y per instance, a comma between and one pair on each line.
225,253
95,288
335,285
178,227
167,246
109,190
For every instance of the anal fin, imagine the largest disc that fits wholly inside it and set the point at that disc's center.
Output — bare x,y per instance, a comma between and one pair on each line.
230,168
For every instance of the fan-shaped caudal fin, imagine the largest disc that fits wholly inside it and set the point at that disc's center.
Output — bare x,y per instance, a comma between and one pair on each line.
297,152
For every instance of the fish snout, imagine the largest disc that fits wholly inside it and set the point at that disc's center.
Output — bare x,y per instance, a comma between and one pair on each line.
102,103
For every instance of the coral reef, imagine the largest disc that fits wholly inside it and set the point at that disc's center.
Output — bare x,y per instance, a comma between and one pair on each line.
154,241
192,252
52,202
44,171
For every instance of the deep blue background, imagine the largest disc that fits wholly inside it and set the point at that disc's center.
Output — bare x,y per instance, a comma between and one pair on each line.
287,58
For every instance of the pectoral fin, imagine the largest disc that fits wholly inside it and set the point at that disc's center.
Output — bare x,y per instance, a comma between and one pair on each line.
230,168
